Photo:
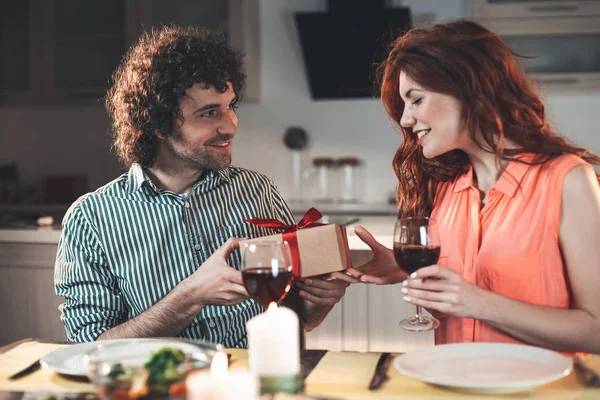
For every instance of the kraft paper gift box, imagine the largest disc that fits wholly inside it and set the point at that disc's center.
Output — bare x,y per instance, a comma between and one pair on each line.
316,248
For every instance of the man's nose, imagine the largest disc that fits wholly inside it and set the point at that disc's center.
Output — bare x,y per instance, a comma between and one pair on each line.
229,124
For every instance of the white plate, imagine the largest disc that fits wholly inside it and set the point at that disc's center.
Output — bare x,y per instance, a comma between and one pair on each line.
484,367
70,360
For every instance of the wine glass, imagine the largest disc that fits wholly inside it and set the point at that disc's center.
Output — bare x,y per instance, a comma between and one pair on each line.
416,245
267,270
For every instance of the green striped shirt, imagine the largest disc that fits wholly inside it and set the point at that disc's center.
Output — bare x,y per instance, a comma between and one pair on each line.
128,244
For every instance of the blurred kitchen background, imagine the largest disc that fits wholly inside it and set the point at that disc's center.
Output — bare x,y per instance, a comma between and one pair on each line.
57,56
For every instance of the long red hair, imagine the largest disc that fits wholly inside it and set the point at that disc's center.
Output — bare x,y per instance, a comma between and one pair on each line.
465,60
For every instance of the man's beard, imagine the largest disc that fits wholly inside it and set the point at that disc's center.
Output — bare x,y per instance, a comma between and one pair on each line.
204,159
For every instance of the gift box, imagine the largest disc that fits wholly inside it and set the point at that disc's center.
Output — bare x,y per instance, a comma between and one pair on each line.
316,248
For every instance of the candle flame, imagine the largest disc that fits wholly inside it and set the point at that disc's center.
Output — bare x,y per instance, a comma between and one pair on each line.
219,364
272,306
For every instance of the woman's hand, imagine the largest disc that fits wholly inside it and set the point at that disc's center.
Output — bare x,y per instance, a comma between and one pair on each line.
382,268
443,290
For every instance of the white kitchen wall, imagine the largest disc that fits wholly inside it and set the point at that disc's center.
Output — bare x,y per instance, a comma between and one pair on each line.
67,140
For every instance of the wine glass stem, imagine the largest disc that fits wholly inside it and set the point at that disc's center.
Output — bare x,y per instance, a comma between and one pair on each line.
419,315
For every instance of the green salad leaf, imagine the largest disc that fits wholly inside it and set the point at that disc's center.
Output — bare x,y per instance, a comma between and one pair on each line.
162,365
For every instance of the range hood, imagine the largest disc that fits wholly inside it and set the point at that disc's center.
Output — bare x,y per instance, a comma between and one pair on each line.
342,46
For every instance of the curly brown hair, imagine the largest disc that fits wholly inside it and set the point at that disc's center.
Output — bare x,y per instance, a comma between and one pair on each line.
465,60
155,74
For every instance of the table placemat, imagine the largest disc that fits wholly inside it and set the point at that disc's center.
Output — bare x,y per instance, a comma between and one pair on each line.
24,355
347,375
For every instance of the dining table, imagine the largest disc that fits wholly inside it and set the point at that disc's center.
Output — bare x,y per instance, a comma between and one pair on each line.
327,375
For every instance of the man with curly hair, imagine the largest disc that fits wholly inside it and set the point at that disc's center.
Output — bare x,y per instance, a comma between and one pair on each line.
152,252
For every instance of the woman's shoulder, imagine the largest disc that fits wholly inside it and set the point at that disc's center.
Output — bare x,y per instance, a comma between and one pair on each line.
562,164
562,173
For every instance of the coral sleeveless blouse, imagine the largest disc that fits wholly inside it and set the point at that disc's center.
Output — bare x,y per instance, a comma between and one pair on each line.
510,246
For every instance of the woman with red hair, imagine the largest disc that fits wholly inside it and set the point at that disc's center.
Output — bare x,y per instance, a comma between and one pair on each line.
517,206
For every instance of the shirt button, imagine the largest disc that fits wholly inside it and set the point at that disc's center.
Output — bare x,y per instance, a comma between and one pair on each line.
197,247
493,193
212,324
187,204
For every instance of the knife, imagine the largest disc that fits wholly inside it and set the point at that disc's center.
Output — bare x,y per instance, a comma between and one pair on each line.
380,374
588,375
24,372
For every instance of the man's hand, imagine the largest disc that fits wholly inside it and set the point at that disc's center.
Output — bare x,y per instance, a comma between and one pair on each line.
215,282
320,295
382,269
322,291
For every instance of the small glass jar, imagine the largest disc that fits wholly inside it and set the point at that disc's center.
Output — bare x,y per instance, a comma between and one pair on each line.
348,186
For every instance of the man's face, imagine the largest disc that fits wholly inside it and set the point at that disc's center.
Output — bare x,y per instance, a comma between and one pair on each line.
204,139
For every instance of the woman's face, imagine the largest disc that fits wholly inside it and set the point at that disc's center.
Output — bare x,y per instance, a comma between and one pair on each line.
434,118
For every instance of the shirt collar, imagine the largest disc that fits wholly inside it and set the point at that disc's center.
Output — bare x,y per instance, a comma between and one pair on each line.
224,174
464,181
137,177
509,181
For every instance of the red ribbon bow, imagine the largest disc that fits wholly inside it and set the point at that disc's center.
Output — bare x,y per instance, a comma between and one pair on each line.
289,232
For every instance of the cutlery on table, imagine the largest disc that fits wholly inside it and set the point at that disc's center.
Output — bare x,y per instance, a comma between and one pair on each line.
26,371
588,376
380,374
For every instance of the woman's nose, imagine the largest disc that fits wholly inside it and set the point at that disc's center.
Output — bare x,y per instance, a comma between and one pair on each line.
407,119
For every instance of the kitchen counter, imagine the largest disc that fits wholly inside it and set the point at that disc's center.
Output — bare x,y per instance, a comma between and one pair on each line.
19,223
367,209
381,227
32,235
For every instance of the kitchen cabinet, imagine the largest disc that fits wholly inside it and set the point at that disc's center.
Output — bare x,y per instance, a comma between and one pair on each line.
14,46
28,304
68,49
559,38
61,51
564,51
533,8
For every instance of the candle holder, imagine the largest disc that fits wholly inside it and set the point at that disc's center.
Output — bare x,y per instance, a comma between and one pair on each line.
274,351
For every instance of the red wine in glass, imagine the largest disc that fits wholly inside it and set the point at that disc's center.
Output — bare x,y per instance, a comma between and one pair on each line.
412,257
267,285
267,270
416,245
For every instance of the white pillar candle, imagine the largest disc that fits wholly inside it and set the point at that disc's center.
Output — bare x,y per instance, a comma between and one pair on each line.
221,384
274,342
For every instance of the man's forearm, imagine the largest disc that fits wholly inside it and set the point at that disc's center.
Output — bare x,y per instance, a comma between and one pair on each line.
166,318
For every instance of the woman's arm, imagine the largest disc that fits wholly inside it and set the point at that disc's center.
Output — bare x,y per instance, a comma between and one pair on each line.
579,237
574,329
